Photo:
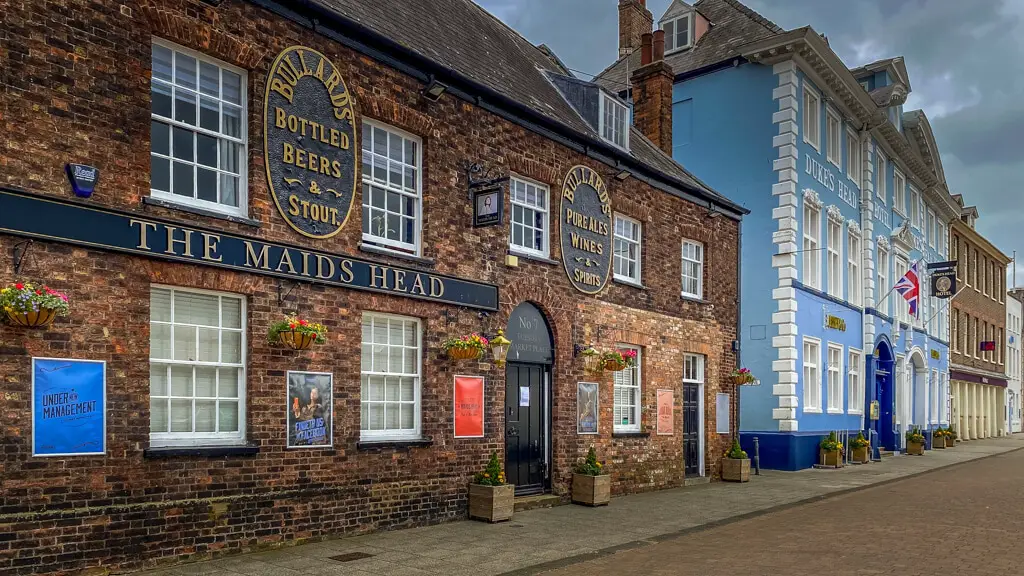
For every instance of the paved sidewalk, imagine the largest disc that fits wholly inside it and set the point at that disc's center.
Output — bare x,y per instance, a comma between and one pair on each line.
540,540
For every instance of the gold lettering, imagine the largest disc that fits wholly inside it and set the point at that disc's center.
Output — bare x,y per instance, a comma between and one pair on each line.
280,118
210,246
142,245
171,241
373,276
252,261
400,280
312,161
289,154
320,267
314,211
325,165
417,284
304,124
305,208
286,258
288,71
293,205
336,169
293,123
300,157
344,141
343,113
320,71
567,192
283,89
436,287
332,81
334,216
305,263
339,100
346,271
302,60
334,137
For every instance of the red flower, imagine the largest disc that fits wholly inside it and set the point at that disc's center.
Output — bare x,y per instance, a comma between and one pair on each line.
19,286
292,325
303,322
314,335
39,292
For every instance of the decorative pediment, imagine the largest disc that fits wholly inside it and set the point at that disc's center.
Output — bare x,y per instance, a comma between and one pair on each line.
883,242
853,226
902,236
811,197
835,214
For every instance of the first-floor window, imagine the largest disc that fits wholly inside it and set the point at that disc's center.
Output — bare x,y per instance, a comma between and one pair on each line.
693,368
627,249
693,269
812,377
196,367
853,280
835,255
883,287
835,378
857,399
811,255
390,374
627,396
391,187
529,217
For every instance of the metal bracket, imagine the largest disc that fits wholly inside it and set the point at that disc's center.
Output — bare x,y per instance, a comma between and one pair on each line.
281,297
19,252
451,317
478,176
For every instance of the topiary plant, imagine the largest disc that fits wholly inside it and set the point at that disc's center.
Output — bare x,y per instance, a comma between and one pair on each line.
590,466
735,452
492,474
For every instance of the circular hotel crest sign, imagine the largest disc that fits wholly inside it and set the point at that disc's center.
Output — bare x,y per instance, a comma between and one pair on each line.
310,142
585,223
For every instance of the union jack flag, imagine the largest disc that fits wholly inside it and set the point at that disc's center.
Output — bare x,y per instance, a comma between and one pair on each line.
909,286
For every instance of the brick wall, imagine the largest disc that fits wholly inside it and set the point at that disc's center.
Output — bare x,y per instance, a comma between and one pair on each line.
981,272
76,89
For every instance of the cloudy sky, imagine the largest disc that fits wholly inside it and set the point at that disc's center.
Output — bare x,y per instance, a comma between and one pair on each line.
965,59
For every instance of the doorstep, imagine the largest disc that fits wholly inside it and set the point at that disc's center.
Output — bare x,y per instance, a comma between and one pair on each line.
696,480
524,503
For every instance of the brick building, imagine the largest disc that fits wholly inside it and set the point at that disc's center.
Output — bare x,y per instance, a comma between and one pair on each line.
977,331
331,160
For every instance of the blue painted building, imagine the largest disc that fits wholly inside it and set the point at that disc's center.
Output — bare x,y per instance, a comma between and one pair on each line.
846,192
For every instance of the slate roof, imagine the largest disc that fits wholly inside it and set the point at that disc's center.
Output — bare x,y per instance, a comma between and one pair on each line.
732,25
468,40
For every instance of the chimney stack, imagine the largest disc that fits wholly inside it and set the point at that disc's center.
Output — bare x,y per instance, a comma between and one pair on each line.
635,20
652,92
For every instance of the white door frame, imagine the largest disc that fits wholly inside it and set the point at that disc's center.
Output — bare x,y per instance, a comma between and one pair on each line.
700,426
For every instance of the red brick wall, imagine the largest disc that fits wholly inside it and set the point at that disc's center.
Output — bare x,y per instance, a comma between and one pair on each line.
983,298
75,89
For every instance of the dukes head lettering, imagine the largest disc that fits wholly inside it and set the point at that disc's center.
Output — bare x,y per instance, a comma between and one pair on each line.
586,227
310,142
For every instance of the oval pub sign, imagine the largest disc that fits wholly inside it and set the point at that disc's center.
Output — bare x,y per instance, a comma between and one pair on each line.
310,142
586,229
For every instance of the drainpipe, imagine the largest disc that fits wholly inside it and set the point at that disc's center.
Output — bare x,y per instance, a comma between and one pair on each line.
739,318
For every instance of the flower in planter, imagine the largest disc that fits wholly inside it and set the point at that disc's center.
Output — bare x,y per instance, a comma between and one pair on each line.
860,441
742,376
299,326
492,474
589,466
831,444
465,347
616,360
735,452
25,298
915,436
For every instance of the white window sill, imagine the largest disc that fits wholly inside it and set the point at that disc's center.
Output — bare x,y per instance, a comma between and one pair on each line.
855,412
628,281
384,244
835,411
837,164
534,256
812,410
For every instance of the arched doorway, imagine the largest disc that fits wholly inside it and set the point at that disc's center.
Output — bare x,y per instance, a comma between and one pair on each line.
885,370
915,412
528,400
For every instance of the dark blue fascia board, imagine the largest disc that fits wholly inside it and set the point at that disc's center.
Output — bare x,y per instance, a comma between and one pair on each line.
801,286
904,326
361,39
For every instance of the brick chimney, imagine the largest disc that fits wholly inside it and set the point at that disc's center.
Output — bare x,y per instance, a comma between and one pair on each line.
652,92
635,20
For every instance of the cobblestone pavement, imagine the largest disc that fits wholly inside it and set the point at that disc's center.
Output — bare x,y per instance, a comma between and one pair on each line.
544,540
961,520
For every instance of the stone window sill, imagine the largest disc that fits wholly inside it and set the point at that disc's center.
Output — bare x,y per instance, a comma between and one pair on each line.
693,299
371,249
533,257
151,201
201,451
628,282
394,444
631,434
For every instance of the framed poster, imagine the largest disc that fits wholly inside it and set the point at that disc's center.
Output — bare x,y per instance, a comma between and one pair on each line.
488,207
310,413
722,413
469,407
666,416
586,408
69,407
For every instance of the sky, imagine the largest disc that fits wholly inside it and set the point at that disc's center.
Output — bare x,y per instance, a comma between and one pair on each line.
965,59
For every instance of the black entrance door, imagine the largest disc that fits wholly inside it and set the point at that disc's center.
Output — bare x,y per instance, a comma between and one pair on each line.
691,429
525,429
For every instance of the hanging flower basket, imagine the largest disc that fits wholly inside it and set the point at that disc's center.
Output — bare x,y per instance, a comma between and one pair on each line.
296,333
618,360
742,376
32,306
469,347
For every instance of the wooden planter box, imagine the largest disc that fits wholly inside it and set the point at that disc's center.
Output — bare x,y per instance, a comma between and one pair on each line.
833,458
491,503
862,455
939,443
950,441
591,490
736,469
915,448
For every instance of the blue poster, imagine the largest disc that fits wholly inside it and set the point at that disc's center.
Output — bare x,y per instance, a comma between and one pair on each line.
68,407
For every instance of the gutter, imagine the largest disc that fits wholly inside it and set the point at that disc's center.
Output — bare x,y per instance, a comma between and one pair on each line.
503,106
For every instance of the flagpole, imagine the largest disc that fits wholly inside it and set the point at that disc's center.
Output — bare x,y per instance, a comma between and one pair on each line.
946,304
916,262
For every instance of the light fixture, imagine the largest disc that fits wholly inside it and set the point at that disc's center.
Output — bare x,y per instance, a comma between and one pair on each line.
712,213
499,348
434,89
623,174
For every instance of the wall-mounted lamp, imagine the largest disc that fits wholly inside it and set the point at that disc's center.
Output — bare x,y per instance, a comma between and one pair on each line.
434,89
499,348
623,174
712,213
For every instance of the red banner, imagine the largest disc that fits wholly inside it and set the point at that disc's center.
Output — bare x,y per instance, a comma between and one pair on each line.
469,407
666,417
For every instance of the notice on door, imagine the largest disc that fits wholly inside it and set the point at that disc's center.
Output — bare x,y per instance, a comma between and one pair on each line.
524,395
469,407
666,400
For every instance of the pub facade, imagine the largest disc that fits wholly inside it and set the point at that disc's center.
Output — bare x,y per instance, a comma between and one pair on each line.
209,181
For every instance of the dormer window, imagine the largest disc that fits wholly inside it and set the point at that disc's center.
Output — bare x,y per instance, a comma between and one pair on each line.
678,33
614,123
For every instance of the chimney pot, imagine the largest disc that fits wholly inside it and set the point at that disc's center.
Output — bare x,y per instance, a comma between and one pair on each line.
646,49
659,46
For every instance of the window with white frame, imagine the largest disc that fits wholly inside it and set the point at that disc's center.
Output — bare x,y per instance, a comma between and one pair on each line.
390,377
954,334
614,121
915,208
391,187
855,373
812,375
930,227
627,249
812,118
899,192
693,269
880,178
627,400
811,254
693,368
197,130
835,258
835,378
833,137
853,279
529,217
677,33
853,166
933,414
196,367
902,306
883,281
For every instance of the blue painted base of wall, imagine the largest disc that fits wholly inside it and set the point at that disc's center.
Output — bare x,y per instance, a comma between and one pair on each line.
784,451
